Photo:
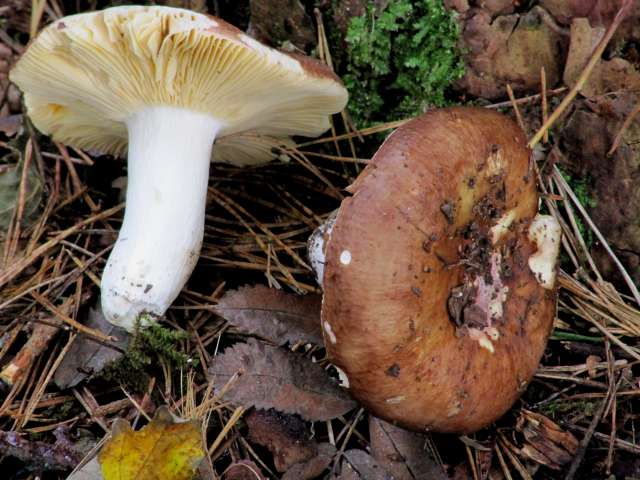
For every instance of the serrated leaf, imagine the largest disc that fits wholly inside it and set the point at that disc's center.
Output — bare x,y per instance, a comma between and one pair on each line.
273,314
164,449
402,453
359,465
286,436
271,377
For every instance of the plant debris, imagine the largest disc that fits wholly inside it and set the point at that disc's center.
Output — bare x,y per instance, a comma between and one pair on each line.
268,377
278,316
165,448
404,454
89,356
286,436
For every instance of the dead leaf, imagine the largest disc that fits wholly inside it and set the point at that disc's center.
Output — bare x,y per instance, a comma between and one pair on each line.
270,377
88,356
359,465
612,75
586,137
599,12
584,40
545,442
163,449
244,470
59,456
10,125
273,314
277,21
402,453
313,467
90,471
286,436
511,49
10,178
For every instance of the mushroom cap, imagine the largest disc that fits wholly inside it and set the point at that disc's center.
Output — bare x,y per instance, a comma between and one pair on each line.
86,74
430,306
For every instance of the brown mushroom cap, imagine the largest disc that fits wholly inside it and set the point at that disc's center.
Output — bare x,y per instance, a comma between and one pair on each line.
430,306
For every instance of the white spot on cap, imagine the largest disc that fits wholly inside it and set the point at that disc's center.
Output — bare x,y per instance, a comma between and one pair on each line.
329,332
345,257
395,400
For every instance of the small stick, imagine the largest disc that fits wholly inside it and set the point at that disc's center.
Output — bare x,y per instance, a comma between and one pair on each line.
40,337
545,113
625,125
70,321
595,57
512,99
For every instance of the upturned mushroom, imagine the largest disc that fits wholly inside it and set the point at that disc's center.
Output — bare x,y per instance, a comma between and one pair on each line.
165,83
439,273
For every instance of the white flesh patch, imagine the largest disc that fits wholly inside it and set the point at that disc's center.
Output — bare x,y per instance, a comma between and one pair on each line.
545,232
329,332
317,246
502,227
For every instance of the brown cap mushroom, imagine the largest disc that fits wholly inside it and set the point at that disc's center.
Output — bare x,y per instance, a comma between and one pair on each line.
164,83
439,274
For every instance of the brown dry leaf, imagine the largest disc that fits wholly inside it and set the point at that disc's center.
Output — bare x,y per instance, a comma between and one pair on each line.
286,436
243,470
510,49
271,377
607,76
10,125
359,465
163,449
402,453
545,442
88,356
273,314
313,467
586,137
11,166
599,12
278,21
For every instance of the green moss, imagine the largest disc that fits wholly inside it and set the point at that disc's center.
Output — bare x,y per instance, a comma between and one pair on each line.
580,187
562,408
148,347
401,60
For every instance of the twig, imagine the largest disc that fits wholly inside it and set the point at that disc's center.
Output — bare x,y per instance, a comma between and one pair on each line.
582,448
625,126
595,57
545,113
514,105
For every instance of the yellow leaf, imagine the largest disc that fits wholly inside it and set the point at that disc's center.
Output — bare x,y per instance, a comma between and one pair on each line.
163,450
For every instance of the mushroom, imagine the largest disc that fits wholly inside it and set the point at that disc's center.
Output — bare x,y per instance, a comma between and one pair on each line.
165,82
439,273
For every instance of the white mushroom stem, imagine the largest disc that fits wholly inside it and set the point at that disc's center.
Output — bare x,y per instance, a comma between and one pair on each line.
161,235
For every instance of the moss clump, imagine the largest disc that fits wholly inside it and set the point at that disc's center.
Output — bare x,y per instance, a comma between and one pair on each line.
148,346
580,187
401,60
